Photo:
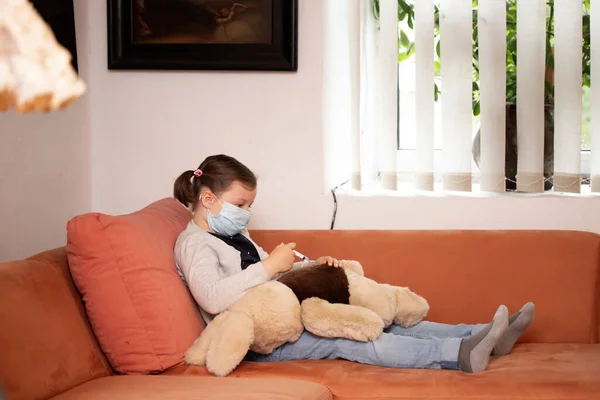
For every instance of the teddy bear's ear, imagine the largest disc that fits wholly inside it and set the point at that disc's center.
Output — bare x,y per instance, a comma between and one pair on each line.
353,266
231,342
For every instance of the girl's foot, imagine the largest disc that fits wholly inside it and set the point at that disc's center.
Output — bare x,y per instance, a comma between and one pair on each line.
474,353
517,324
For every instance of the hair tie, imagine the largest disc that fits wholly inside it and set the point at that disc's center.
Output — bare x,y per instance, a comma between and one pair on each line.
198,172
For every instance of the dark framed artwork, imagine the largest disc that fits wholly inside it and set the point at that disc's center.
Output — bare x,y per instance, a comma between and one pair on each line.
60,16
203,34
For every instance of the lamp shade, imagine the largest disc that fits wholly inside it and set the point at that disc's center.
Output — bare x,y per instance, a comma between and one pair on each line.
35,70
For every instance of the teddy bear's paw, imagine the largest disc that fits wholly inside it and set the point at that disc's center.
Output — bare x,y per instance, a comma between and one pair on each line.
411,308
195,356
230,343
369,328
340,320
197,353
221,370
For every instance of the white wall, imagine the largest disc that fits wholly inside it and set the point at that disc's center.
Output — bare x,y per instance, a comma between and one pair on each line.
44,174
141,129
43,179
150,126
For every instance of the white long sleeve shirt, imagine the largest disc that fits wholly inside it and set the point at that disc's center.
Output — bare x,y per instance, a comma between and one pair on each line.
212,270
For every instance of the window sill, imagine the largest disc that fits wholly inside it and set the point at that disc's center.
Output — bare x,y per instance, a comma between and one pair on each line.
416,210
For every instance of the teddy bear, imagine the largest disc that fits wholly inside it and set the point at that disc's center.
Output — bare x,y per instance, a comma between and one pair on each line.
325,300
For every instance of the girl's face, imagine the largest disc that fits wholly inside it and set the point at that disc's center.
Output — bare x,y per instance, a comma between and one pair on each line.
237,195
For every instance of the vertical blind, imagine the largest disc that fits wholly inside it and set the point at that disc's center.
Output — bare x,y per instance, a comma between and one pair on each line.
568,94
595,75
354,50
492,77
424,87
373,55
388,92
531,45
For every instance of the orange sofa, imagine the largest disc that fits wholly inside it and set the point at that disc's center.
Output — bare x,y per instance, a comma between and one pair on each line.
48,350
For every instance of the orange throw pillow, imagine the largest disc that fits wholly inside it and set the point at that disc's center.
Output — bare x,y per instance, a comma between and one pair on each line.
139,308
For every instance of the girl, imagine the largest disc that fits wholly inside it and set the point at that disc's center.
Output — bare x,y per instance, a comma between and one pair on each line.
219,262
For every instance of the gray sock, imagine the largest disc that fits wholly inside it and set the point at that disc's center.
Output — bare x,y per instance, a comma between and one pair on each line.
517,324
513,317
474,353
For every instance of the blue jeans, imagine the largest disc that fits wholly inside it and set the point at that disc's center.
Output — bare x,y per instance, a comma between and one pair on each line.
425,345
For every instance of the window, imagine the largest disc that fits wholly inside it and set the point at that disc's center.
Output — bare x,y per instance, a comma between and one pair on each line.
406,84
478,71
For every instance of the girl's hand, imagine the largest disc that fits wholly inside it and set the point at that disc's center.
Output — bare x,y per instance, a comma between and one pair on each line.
332,262
281,259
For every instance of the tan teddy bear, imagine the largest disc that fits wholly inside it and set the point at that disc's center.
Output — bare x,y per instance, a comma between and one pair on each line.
266,317
326,301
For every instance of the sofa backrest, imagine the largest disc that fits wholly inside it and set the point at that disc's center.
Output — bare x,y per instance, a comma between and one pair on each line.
46,343
466,275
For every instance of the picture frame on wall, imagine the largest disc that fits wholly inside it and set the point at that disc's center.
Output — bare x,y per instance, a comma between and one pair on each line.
259,35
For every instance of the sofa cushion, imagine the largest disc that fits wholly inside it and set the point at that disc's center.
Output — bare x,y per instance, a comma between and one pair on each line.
531,371
194,388
139,308
46,343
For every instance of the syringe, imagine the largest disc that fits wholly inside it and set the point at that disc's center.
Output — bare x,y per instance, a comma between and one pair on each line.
303,257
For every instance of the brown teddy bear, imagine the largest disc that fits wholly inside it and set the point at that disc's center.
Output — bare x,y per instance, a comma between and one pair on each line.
324,300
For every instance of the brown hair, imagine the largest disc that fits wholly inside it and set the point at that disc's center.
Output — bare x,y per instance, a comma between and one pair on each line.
218,173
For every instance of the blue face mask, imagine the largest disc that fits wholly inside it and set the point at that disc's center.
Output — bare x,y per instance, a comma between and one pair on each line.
230,221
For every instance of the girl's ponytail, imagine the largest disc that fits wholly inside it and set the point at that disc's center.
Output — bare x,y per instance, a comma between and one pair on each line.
183,189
